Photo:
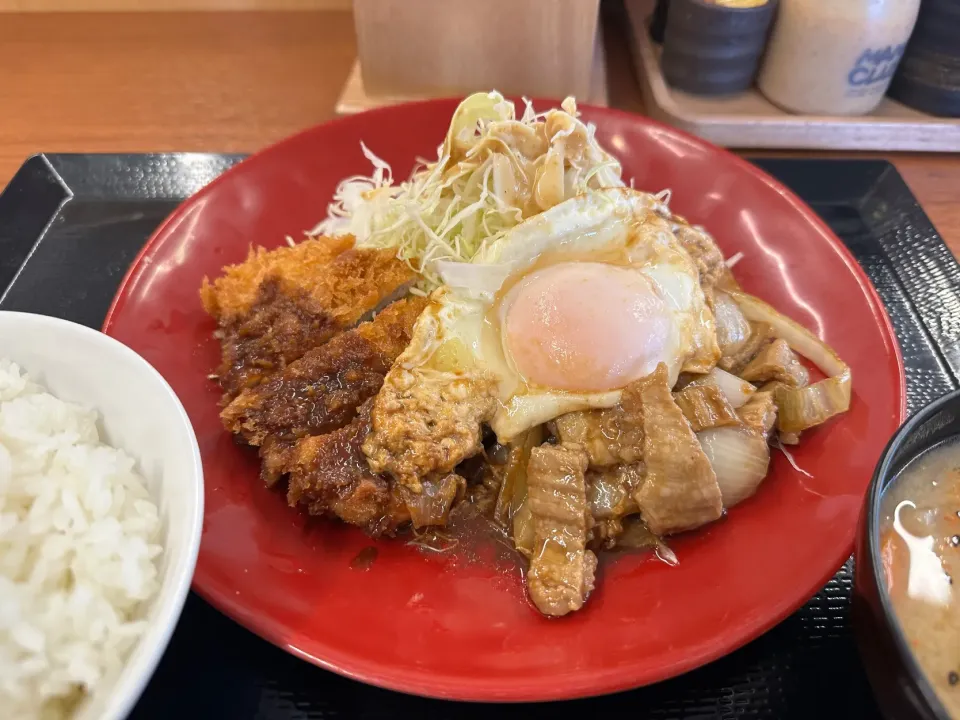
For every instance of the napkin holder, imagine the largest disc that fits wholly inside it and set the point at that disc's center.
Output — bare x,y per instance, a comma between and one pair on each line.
416,49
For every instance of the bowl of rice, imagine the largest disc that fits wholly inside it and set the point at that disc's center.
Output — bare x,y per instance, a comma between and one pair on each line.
101,508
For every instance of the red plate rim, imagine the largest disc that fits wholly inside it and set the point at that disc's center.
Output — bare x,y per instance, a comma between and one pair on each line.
413,682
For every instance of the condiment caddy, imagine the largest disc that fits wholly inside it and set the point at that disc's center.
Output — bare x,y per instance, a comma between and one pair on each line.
817,78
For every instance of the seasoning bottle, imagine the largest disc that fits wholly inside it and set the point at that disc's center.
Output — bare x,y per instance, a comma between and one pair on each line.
713,47
658,21
928,78
835,57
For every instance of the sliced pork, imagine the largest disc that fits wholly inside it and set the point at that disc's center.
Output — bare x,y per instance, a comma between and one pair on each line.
561,570
761,334
680,491
705,406
776,362
759,413
607,436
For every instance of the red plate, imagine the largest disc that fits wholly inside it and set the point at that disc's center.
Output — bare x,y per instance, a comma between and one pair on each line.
455,628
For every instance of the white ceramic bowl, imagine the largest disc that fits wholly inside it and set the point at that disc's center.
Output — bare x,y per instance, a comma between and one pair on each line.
140,414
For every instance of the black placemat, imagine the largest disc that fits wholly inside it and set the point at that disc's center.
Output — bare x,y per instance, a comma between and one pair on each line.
71,224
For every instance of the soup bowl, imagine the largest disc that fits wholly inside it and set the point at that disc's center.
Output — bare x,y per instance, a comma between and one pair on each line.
901,687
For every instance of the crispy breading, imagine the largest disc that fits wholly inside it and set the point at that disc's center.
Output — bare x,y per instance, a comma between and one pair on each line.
234,293
330,476
277,454
426,424
299,303
322,390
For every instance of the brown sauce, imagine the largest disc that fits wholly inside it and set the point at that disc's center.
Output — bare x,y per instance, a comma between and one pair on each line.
474,539
364,559
925,591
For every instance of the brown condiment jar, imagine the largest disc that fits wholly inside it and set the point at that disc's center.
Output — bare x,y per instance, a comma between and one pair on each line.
835,57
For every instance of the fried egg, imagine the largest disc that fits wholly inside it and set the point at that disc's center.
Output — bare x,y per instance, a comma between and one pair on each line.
569,307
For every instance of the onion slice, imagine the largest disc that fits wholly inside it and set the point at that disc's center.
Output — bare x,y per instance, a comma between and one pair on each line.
737,390
802,408
513,489
519,508
480,281
432,505
732,327
635,536
739,458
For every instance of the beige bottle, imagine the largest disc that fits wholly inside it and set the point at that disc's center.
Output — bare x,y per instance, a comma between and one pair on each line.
835,57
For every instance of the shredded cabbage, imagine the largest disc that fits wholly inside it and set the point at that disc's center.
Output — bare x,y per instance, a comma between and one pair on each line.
492,172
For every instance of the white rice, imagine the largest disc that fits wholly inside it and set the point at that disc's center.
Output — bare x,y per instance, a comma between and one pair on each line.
78,552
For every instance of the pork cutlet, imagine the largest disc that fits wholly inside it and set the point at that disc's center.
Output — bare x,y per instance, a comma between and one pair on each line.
278,304
322,390
329,475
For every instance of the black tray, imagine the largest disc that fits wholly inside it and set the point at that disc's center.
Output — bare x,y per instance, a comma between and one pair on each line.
71,224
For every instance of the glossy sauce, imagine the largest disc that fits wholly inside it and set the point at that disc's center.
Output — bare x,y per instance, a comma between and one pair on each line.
365,558
920,552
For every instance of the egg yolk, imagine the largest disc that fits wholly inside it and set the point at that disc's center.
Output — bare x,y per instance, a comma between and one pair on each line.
585,326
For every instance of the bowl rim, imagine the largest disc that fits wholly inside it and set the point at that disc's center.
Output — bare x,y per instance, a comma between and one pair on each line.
142,661
874,498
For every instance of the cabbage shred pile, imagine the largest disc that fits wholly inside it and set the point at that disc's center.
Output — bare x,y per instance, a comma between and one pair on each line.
492,172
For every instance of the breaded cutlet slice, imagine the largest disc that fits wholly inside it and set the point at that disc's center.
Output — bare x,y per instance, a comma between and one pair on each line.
279,304
330,476
234,293
321,391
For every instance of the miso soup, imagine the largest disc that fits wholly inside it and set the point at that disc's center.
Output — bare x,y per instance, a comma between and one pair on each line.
920,552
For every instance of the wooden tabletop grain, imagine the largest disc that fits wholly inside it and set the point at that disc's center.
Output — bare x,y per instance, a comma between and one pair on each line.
236,82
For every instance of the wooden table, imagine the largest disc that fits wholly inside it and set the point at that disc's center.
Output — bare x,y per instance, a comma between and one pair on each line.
236,82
